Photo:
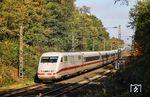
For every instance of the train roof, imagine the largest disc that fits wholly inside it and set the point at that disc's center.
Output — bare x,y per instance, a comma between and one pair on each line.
78,53
60,53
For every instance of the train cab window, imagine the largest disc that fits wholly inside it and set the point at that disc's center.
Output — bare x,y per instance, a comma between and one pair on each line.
65,58
51,59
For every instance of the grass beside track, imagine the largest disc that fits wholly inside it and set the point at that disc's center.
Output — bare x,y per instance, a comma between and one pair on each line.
17,85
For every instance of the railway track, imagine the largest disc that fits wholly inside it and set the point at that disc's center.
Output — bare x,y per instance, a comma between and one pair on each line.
69,88
17,91
59,88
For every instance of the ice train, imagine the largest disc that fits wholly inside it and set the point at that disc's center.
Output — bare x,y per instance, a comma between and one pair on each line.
54,65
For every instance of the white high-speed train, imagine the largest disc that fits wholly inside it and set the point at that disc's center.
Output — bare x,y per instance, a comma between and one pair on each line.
54,65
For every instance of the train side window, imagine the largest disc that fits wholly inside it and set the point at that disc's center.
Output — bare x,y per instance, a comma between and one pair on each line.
65,58
107,55
113,54
103,56
61,59
79,57
87,59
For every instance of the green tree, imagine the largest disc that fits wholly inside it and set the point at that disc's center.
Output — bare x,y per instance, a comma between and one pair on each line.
140,20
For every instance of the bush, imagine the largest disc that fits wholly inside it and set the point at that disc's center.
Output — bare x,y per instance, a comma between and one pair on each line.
9,61
9,53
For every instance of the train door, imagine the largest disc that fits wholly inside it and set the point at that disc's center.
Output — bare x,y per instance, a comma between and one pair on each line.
113,56
100,59
71,63
78,62
107,58
65,61
103,58
83,62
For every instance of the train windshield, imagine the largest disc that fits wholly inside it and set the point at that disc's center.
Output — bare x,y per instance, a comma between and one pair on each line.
51,59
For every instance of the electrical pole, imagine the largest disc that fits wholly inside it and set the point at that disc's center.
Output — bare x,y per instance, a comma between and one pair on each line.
111,45
93,44
73,42
104,44
132,46
21,54
119,37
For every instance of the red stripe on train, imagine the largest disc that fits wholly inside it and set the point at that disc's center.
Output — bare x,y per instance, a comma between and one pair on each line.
73,67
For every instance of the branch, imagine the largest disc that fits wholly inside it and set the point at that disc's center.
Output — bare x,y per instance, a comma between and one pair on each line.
122,2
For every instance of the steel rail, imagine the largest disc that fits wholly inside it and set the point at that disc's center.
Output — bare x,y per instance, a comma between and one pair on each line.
68,88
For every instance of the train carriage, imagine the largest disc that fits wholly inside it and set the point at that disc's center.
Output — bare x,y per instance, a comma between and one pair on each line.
91,60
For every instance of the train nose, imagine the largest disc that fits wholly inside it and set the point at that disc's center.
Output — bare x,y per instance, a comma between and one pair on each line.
46,75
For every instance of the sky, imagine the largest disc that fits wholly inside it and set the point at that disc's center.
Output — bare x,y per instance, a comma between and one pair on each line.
111,15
